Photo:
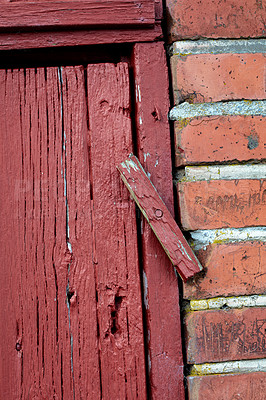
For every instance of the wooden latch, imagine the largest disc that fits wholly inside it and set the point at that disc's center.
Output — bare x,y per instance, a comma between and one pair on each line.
159,218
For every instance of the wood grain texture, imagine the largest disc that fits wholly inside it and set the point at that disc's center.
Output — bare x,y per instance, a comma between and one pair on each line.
71,318
115,237
159,218
35,39
159,280
225,335
35,336
71,13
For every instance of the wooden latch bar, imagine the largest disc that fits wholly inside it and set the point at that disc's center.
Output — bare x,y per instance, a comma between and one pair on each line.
159,218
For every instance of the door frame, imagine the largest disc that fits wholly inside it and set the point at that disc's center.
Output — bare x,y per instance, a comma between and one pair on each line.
160,283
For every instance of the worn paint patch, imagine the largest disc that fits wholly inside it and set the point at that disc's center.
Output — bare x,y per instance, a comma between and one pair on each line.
185,47
239,107
229,367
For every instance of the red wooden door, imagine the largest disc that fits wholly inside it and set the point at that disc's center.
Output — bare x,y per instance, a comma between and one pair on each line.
71,311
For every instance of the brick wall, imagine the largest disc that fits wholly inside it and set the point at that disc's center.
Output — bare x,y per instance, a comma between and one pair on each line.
217,54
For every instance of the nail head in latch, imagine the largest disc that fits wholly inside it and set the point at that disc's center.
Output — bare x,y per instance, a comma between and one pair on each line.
158,213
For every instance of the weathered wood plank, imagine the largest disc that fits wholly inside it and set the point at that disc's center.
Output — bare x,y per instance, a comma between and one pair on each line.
77,37
162,314
81,292
159,218
35,341
73,13
115,253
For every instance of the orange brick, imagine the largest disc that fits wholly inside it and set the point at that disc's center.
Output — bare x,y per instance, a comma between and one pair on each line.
215,77
222,203
235,334
228,387
232,269
218,139
214,19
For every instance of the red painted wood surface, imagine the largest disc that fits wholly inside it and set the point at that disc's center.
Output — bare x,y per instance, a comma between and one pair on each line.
71,319
71,13
115,253
33,40
159,218
161,294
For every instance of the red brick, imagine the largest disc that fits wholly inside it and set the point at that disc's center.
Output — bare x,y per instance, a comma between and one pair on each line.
232,269
222,203
218,139
250,386
223,335
215,77
214,19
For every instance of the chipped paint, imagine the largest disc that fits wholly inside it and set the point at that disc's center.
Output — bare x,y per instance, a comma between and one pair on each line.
138,94
214,172
129,164
241,107
186,47
146,155
145,289
229,367
202,238
230,302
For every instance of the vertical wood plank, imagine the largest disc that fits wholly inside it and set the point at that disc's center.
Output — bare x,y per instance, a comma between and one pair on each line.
11,244
32,203
81,291
115,237
160,282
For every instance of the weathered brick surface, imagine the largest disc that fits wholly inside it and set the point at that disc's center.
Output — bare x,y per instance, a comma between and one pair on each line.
231,269
216,77
222,203
228,387
223,335
219,139
214,19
